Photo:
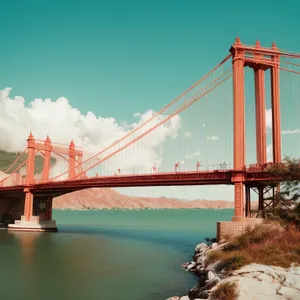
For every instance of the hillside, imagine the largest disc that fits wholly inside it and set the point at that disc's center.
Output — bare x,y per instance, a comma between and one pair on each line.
109,198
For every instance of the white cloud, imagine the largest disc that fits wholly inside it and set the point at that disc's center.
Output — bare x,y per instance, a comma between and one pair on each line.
212,138
187,134
62,122
269,118
191,155
295,131
269,153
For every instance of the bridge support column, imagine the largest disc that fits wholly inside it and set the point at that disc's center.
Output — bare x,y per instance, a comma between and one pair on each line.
248,202
260,200
260,107
238,127
28,206
238,179
48,209
238,201
37,215
275,99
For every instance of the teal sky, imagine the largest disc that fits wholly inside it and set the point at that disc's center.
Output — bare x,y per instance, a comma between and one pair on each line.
118,57
115,58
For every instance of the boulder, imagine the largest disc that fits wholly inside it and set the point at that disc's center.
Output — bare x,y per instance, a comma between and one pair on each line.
204,294
211,283
201,259
218,247
215,267
184,265
194,292
262,282
191,265
289,293
200,246
213,245
201,270
210,275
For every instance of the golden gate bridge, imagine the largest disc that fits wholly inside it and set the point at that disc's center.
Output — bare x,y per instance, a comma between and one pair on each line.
67,168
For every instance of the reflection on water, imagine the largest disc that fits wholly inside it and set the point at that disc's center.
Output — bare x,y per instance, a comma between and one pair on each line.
27,242
103,255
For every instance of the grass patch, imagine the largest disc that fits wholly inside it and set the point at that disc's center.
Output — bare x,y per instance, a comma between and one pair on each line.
235,260
225,291
265,244
213,256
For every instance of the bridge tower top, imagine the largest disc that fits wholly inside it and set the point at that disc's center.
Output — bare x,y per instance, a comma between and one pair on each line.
256,57
30,141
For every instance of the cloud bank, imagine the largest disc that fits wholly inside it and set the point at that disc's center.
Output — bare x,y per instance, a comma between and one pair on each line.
62,122
269,118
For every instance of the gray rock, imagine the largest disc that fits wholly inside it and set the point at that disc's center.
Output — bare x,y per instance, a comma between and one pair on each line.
211,283
199,255
214,245
200,246
204,294
289,293
201,271
219,247
262,282
190,265
214,267
194,292
201,260
210,275
184,265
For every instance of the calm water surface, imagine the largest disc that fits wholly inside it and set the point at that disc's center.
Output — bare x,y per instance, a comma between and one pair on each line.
107,255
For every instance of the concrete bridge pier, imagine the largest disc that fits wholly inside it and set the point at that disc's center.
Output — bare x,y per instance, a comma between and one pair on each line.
242,218
37,214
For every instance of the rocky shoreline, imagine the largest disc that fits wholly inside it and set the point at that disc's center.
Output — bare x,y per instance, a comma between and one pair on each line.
254,281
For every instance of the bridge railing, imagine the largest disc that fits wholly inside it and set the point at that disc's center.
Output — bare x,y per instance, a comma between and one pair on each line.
258,167
15,179
188,172
178,169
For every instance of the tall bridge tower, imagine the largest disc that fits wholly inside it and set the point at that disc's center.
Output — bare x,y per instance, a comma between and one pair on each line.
259,59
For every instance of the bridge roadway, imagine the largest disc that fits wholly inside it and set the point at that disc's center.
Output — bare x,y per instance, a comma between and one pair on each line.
216,177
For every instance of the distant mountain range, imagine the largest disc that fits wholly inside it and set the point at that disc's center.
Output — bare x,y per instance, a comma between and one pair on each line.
109,199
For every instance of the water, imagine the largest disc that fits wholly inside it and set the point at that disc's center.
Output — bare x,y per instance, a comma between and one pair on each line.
109,254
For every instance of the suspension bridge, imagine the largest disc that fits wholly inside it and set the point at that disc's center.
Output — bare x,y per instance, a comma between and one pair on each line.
163,149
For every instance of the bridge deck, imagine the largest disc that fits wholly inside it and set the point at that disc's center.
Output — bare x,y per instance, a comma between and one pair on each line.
217,177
